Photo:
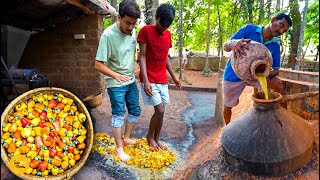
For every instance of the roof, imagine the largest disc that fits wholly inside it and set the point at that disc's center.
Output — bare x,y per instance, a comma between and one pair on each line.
40,15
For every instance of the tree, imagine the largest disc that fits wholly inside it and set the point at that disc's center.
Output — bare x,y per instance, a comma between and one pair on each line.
261,11
150,11
268,9
303,25
207,70
312,31
218,115
114,4
250,6
295,35
278,5
180,37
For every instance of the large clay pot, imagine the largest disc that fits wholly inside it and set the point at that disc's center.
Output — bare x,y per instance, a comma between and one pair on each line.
258,59
268,139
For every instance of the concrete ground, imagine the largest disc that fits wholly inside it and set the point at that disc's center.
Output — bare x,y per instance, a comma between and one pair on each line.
188,122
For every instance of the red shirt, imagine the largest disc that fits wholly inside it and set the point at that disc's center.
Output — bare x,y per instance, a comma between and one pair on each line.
157,49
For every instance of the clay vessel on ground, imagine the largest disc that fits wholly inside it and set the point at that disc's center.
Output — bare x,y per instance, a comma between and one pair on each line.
268,139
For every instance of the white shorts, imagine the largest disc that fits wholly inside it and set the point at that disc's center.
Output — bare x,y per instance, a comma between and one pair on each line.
233,90
185,61
160,94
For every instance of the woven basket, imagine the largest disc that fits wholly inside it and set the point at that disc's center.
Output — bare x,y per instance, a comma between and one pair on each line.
93,101
88,124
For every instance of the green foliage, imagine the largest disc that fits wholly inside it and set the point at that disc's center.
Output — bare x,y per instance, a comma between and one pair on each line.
106,23
176,69
312,24
233,15
206,72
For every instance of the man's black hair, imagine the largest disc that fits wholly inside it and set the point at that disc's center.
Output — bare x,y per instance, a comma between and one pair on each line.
129,8
285,16
165,13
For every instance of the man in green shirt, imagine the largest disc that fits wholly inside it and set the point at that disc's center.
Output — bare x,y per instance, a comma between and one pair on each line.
115,59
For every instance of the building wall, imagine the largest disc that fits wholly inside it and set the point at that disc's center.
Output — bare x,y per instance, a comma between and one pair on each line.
67,63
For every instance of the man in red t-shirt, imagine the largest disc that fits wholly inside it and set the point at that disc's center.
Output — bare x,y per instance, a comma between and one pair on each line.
155,42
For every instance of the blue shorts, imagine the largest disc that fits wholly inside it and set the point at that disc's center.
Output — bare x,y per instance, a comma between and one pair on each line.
120,97
160,94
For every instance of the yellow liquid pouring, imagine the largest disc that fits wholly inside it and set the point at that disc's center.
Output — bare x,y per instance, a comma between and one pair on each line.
263,82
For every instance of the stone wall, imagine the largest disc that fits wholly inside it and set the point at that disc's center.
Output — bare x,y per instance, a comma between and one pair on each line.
300,82
67,63
197,62
311,66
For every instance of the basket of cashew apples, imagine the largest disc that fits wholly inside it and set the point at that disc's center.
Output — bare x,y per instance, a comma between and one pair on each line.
46,133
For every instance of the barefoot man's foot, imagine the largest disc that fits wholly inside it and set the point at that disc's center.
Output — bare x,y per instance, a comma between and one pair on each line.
152,143
161,146
122,155
129,142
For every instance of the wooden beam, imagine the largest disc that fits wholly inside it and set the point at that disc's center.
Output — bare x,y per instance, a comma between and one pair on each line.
79,5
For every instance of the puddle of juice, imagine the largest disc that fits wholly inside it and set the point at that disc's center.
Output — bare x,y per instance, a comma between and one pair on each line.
263,82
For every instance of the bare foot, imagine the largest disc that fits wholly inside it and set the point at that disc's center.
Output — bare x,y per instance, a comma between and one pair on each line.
161,146
152,143
129,142
122,155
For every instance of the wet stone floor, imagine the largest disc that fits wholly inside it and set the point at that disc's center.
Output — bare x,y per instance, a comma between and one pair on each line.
200,108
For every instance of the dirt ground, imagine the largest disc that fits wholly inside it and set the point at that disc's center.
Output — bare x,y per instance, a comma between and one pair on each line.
195,78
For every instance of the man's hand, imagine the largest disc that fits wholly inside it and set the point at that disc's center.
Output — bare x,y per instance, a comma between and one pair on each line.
177,82
273,73
122,78
238,47
147,88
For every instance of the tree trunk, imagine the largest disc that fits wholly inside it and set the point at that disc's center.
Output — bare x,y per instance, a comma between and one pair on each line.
261,11
278,5
150,11
317,54
114,4
284,55
220,37
250,6
235,8
180,37
268,9
218,115
303,54
303,26
296,21
208,39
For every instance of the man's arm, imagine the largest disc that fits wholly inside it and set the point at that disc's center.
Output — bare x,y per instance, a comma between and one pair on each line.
108,72
174,78
143,68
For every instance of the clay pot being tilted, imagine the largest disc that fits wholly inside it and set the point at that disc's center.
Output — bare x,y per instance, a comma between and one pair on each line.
258,59
268,139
